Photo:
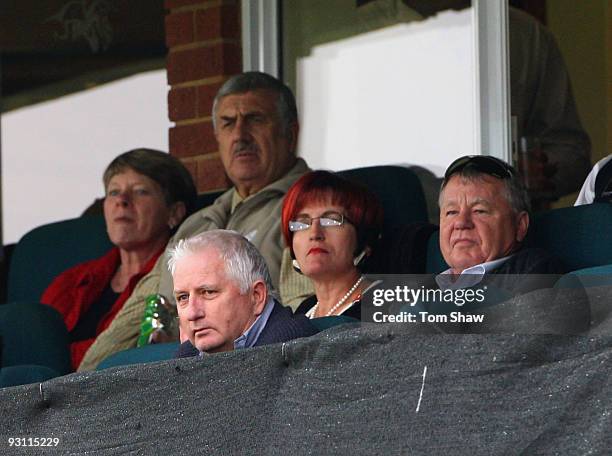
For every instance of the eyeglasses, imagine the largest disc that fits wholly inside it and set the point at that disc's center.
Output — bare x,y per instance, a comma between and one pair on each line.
482,163
328,219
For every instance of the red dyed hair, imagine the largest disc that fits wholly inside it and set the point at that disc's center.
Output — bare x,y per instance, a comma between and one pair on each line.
361,206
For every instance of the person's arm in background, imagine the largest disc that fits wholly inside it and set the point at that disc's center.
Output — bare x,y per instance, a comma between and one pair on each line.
542,100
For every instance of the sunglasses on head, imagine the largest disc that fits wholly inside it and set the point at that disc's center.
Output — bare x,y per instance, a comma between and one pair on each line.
481,163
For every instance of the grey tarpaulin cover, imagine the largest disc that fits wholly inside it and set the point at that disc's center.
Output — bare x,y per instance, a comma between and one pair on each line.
369,389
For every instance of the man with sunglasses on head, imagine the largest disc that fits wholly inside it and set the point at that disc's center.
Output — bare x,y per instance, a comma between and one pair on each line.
484,218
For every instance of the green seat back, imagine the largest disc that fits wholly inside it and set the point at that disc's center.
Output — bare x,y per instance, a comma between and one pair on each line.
593,277
45,252
25,374
398,189
33,333
146,354
580,236
435,261
206,199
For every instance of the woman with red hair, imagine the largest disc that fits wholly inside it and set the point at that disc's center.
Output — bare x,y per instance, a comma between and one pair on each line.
330,225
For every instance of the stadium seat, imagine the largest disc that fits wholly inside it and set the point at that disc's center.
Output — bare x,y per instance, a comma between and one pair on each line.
46,251
25,374
398,189
435,261
595,276
206,199
146,354
35,343
579,236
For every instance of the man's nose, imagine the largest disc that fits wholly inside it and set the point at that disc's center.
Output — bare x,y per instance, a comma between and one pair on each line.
464,220
241,130
194,310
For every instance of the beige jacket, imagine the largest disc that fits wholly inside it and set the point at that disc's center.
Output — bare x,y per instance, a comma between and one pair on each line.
257,218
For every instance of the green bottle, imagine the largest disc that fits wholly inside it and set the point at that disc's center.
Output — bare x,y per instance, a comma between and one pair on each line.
159,315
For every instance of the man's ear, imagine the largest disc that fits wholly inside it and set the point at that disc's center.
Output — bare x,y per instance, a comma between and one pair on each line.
260,297
177,214
522,226
293,134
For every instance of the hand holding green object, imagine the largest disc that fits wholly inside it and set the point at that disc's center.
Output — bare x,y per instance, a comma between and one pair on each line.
159,316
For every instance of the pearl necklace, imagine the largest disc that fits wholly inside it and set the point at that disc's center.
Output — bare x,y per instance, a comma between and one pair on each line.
311,313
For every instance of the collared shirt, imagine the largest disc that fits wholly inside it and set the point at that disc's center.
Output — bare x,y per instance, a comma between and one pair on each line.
251,335
236,200
468,277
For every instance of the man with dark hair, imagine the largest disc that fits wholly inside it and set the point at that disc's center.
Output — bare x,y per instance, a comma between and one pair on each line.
256,126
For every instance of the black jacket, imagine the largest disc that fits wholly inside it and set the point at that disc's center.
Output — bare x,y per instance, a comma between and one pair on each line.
281,326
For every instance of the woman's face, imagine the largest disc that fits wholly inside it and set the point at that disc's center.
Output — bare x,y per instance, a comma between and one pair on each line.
135,211
324,252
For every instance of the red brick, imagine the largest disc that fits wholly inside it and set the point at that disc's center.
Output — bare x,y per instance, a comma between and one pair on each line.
192,140
172,4
192,167
179,28
182,103
211,175
204,62
206,96
219,22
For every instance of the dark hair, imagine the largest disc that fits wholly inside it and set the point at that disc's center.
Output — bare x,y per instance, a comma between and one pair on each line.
256,80
169,173
362,207
473,167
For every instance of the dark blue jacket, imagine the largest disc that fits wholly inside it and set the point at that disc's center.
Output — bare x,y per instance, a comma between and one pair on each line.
281,326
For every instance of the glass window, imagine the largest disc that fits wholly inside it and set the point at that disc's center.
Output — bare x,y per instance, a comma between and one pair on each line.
379,84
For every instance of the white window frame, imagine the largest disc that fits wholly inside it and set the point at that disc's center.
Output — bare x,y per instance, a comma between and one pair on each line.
492,87
260,50
260,36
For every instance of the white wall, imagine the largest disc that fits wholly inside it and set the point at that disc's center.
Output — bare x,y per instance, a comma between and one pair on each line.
54,153
404,94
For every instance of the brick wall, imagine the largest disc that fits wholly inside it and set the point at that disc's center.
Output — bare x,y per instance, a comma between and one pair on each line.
203,39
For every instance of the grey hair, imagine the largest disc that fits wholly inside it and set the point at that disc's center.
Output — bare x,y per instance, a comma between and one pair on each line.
243,262
514,189
255,80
